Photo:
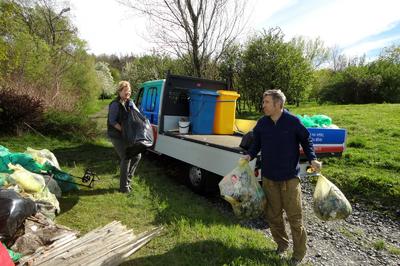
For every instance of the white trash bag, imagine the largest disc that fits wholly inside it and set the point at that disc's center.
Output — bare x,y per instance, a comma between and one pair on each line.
43,156
241,189
329,202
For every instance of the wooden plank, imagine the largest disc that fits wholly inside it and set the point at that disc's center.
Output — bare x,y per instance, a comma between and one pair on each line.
108,245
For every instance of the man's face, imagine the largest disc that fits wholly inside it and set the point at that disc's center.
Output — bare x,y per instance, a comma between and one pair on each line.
269,107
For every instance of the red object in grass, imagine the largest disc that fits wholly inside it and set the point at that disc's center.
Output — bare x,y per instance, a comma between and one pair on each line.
5,259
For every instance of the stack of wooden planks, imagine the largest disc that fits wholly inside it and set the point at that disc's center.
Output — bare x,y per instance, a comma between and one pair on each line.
108,245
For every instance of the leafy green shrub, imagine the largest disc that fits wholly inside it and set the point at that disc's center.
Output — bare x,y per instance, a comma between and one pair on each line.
69,125
18,111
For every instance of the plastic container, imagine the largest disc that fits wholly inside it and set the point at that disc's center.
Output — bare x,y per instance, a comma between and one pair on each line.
184,127
202,110
225,112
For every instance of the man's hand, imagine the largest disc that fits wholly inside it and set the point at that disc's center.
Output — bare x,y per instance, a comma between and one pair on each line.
246,157
316,165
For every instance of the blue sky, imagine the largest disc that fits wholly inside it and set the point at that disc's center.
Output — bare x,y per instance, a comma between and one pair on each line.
357,27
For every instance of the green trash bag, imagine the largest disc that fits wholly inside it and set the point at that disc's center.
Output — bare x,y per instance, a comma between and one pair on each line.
25,160
4,160
307,121
15,256
322,120
329,201
64,180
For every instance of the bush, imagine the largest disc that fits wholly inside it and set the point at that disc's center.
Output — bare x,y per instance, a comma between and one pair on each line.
69,125
18,111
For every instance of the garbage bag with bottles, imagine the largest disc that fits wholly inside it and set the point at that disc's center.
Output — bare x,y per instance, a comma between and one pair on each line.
241,189
329,202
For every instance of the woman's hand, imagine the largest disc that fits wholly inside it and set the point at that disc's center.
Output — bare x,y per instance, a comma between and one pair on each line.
118,127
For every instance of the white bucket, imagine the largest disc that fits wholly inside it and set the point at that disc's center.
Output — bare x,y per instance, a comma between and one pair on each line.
184,127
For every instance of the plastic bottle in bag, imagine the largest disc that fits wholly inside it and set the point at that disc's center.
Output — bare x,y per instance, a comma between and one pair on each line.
241,189
329,202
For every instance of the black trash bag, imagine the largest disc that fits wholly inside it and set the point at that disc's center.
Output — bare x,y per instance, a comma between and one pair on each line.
13,212
246,141
137,131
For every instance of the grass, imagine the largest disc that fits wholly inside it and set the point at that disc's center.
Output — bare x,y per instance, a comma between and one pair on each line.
97,106
196,232
380,244
369,169
351,234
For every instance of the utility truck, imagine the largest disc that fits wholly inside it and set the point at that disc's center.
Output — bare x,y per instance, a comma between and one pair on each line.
208,155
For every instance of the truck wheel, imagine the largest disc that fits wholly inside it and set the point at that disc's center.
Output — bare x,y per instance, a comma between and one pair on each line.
197,179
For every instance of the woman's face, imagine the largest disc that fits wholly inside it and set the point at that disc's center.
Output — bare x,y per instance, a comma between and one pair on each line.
125,94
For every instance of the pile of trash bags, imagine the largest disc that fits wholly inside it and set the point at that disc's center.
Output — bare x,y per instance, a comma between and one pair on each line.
316,121
241,189
329,202
30,183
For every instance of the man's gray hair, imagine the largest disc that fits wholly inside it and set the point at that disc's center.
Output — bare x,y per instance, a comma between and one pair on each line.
277,95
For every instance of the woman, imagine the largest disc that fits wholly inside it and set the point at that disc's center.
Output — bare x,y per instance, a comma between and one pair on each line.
118,112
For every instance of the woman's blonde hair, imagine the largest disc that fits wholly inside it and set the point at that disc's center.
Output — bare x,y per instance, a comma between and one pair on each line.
123,84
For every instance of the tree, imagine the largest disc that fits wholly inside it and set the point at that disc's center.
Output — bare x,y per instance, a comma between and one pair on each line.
391,54
105,79
41,54
313,50
150,67
271,63
197,31
388,67
355,84
339,61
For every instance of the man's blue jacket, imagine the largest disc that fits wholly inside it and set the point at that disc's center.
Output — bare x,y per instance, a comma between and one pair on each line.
279,144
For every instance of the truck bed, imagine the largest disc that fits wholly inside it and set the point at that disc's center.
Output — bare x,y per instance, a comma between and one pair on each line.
232,142
226,142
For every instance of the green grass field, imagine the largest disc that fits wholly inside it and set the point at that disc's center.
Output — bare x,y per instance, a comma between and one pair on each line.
196,232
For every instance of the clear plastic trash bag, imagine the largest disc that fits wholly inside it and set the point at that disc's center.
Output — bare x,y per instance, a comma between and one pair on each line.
241,189
43,156
329,202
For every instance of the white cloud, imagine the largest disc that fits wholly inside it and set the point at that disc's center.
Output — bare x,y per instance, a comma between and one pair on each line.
261,10
345,22
360,49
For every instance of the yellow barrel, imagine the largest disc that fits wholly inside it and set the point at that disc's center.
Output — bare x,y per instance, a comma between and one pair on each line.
225,108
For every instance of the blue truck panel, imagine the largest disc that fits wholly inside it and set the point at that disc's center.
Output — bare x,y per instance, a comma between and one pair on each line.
327,135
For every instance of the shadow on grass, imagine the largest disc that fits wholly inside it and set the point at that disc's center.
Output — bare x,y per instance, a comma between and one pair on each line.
100,159
166,179
193,254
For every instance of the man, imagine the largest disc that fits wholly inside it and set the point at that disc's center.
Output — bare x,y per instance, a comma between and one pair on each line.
278,135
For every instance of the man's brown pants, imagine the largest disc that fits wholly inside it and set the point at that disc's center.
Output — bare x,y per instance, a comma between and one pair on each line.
286,195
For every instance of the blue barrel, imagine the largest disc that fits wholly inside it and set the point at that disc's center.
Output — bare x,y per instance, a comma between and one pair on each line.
202,110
